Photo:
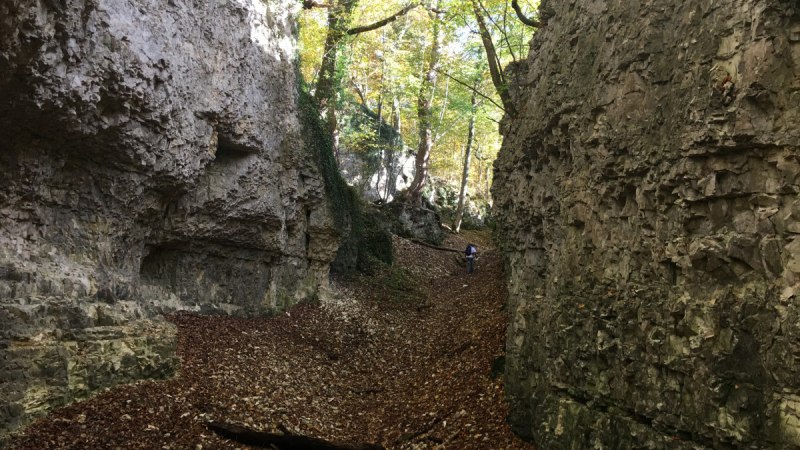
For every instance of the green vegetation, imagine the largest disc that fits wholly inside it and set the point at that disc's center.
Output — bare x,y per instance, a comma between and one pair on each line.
393,284
413,77
366,242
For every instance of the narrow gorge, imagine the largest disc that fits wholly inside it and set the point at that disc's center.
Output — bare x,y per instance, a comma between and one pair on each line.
647,200
172,209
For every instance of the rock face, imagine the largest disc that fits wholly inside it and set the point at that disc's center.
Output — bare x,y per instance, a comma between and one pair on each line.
650,212
377,164
152,161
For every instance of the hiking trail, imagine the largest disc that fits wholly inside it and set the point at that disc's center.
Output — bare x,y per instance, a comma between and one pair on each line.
410,358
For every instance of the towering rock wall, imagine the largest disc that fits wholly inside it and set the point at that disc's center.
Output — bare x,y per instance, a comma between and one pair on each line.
650,211
151,160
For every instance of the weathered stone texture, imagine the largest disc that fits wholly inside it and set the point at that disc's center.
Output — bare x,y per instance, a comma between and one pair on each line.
151,160
651,218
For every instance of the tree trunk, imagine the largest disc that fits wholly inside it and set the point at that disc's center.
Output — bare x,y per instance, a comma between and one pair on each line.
424,114
338,18
462,194
495,69
424,147
392,169
486,177
327,83
333,128
384,148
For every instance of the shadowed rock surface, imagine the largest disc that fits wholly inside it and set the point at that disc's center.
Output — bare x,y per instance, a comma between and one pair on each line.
152,160
650,215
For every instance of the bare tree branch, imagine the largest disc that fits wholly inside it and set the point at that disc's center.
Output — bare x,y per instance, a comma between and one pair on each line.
480,94
380,23
308,4
435,247
527,21
495,67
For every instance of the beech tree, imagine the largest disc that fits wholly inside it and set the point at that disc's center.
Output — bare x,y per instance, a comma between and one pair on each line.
412,65
339,17
462,193
424,111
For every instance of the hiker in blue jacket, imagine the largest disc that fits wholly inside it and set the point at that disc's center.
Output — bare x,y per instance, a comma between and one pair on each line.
470,253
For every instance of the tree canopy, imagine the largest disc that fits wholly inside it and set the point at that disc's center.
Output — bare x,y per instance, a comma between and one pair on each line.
397,58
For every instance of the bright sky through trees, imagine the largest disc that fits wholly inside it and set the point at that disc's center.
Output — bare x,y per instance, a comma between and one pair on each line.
383,69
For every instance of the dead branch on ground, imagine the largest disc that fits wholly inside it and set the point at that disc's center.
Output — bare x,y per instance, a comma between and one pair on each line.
435,247
285,441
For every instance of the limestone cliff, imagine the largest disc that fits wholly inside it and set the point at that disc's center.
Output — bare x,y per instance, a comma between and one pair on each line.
151,160
648,195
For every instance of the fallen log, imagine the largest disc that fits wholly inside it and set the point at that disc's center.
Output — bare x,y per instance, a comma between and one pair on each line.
285,441
435,247
410,436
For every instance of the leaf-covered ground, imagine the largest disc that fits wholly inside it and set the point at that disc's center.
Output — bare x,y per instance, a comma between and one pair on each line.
404,359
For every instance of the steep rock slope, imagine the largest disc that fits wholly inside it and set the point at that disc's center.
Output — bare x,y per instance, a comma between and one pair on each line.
650,214
152,160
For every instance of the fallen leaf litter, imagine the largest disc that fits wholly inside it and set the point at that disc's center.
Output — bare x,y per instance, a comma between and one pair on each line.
404,364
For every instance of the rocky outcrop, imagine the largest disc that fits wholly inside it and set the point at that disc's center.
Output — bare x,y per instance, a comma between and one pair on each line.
372,156
647,195
411,221
152,160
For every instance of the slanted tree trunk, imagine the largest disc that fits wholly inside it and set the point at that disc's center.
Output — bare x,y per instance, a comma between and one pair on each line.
327,84
495,68
424,113
462,194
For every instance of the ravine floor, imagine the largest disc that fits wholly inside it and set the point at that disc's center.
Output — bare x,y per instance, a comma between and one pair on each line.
403,359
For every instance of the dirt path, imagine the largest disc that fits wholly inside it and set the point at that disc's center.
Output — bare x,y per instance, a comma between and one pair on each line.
403,359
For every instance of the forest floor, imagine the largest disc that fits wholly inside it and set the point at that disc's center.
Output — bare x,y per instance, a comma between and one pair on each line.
410,358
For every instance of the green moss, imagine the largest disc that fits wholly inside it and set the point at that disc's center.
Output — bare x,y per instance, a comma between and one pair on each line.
366,242
374,240
393,284
318,144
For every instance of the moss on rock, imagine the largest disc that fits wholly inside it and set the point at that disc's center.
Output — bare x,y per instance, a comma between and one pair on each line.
366,240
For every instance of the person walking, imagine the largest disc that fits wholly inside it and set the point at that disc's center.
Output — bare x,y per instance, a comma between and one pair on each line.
470,253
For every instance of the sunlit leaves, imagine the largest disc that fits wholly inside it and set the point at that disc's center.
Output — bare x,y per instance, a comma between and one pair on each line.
385,66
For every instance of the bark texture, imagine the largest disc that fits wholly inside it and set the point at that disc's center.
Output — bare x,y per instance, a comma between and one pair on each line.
425,114
462,193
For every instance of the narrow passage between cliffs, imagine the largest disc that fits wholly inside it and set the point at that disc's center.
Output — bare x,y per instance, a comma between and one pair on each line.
408,358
